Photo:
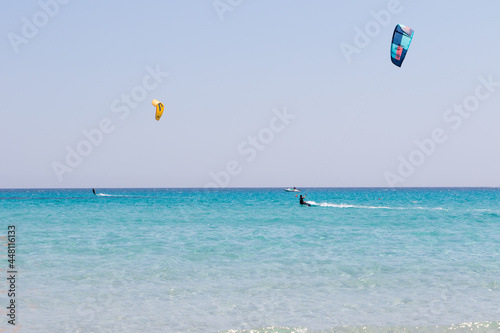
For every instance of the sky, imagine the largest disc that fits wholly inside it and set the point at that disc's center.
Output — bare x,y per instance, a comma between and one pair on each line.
257,94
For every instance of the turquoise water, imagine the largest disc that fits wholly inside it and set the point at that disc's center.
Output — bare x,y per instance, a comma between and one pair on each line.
254,260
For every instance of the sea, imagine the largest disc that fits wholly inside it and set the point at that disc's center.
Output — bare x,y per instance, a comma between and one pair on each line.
251,260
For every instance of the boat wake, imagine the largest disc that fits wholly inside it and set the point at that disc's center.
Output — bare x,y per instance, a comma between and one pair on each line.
342,205
109,195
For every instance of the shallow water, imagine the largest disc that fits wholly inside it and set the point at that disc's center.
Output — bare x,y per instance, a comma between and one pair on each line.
254,260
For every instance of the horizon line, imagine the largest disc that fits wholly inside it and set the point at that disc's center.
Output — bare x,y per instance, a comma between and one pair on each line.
254,187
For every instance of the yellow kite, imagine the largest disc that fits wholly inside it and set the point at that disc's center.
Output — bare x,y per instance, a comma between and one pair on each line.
159,108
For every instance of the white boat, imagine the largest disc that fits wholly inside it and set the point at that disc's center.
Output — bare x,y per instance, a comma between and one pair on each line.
292,190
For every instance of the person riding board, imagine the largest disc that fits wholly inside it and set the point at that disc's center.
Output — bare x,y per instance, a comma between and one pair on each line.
302,202
93,190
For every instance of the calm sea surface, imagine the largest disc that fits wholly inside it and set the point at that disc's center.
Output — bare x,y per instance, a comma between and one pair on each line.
254,260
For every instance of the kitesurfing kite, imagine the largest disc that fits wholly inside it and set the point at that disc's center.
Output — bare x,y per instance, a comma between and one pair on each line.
401,40
159,108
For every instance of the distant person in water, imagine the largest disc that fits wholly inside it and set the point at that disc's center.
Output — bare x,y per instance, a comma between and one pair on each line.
93,190
302,202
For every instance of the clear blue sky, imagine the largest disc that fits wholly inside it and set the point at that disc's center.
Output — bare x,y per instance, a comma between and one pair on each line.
355,122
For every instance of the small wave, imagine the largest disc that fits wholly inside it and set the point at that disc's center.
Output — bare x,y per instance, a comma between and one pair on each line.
43,198
429,208
482,327
488,212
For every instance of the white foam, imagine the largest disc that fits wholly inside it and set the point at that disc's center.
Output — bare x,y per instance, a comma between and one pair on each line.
342,205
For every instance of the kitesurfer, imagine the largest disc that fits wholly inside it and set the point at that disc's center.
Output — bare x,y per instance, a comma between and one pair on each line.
93,190
302,202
